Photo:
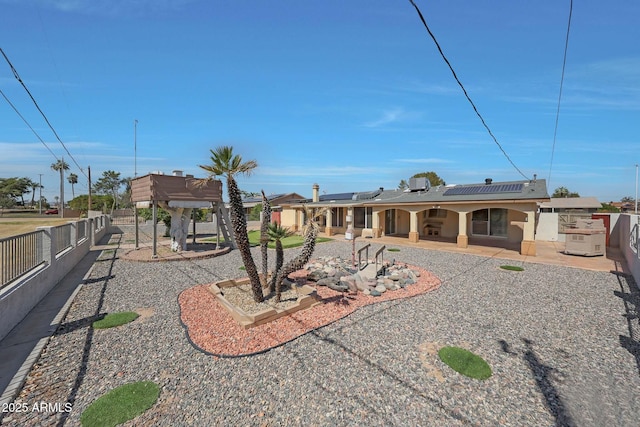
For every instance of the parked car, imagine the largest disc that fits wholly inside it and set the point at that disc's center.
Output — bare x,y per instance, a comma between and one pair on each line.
51,212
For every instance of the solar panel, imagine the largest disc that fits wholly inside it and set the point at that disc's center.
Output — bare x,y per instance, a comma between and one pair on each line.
464,190
338,196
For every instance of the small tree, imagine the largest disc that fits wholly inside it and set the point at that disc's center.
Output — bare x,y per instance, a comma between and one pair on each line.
275,234
563,192
264,238
433,178
224,162
109,183
403,185
310,233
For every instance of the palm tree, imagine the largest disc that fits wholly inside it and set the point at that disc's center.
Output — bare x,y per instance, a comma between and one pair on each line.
276,233
224,162
310,233
61,166
264,238
73,180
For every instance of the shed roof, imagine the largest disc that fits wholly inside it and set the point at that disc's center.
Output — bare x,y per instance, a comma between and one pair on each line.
572,203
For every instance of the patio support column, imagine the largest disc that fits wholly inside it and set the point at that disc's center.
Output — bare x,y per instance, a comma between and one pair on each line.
414,235
463,239
328,229
375,223
528,244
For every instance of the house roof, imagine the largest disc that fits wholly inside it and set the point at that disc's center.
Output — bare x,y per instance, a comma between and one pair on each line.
286,197
508,190
572,203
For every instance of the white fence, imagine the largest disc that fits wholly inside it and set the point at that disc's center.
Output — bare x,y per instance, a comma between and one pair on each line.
626,233
32,264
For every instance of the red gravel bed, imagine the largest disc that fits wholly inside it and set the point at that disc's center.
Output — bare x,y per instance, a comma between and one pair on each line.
212,329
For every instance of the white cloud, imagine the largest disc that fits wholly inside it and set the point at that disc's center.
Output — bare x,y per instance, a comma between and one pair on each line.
388,117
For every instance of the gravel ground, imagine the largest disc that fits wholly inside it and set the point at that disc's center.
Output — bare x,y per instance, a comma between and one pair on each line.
562,342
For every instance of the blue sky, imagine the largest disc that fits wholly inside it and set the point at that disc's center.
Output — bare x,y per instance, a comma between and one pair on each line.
352,95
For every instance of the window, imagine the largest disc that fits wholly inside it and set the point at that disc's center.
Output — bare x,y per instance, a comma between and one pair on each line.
489,222
337,217
362,217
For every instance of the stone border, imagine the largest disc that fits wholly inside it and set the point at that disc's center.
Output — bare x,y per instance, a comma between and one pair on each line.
308,297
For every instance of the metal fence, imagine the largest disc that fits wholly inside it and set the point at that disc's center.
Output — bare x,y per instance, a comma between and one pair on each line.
63,237
20,254
81,230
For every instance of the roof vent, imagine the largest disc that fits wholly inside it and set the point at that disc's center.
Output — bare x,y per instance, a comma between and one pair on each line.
488,181
177,173
419,184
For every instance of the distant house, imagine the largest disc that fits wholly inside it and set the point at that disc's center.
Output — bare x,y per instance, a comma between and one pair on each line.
502,213
624,206
571,204
275,200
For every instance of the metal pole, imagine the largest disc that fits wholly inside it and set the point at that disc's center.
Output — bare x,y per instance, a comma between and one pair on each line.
155,229
40,201
636,189
89,199
135,147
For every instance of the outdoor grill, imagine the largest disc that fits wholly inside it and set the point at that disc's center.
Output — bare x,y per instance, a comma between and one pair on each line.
586,238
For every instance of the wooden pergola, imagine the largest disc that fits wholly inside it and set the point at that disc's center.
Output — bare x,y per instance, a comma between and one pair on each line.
175,191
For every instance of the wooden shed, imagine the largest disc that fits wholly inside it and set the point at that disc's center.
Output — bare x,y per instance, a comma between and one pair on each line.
157,187
177,191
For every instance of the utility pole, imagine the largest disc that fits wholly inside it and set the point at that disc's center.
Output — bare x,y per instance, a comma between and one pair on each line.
89,176
135,173
40,200
135,148
636,189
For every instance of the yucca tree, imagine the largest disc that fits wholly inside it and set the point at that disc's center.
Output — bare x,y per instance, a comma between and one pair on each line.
310,233
225,163
276,233
264,238
61,166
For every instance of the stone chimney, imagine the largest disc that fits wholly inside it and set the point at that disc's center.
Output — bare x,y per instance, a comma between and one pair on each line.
316,193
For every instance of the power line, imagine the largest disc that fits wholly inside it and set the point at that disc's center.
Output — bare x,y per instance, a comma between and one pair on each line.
564,63
17,76
27,123
464,90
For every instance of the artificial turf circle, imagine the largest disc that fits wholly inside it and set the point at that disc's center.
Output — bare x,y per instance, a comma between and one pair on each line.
465,362
511,268
112,320
121,404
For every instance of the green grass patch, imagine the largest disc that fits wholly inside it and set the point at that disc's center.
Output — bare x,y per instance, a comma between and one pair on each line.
112,320
242,267
288,242
121,404
511,268
465,362
393,249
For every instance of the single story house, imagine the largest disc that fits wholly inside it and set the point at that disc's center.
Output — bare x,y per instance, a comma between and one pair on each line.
275,200
494,214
